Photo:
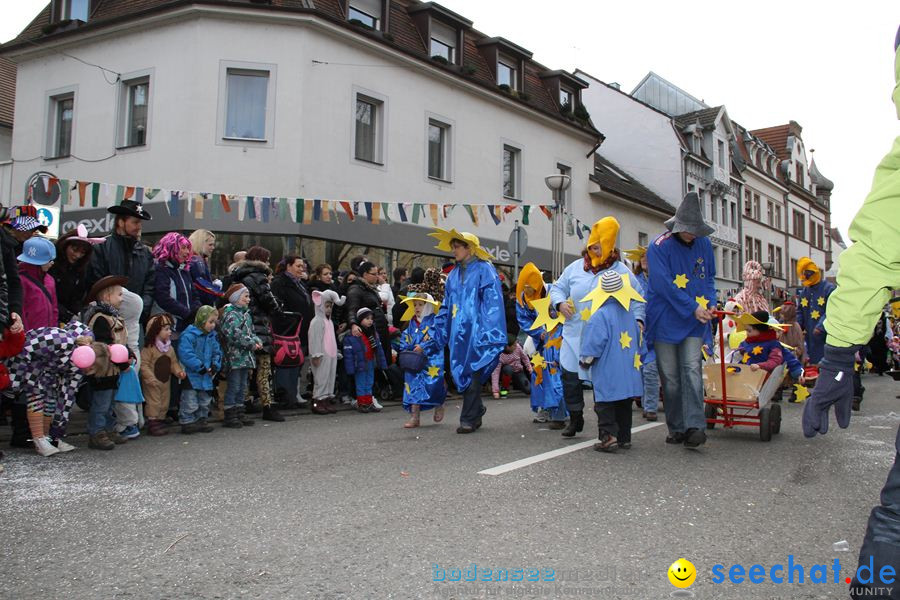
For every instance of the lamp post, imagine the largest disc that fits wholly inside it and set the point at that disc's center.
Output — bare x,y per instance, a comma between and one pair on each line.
558,183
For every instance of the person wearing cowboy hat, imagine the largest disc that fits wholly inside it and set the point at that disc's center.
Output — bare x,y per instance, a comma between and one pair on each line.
123,254
69,271
682,284
568,295
471,321
812,299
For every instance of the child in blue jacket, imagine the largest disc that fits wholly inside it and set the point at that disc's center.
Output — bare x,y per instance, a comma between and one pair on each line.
361,354
201,357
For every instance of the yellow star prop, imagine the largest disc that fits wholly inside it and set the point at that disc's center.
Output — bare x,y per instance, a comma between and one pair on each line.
637,361
704,352
681,281
537,361
434,371
801,392
406,387
586,314
804,302
815,314
703,302
455,308
542,307
555,343
625,295
625,340
821,300
757,350
745,358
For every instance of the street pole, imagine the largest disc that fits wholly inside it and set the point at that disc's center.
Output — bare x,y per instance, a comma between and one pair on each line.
516,254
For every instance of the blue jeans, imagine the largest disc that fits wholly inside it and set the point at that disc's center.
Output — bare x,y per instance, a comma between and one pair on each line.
100,415
365,379
237,387
287,379
194,406
680,368
650,375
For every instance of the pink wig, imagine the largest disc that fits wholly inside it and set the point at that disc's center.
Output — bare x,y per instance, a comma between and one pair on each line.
170,246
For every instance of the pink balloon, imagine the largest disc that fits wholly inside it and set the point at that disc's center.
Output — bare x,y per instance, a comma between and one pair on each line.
83,357
118,353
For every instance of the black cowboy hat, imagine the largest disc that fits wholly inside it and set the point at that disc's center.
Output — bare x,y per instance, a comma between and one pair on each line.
130,208
103,283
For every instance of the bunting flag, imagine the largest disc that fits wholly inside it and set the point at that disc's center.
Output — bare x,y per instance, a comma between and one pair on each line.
547,212
139,195
434,213
150,193
417,211
493,213
267,203
172,204
509,208
401,208
82,189
213,205
251,208
197,206
386,213
348,210
95,195
242,208
226,202
63,192
120,194
307,212
525,211
473,213
578,229
283,209
129,192
257,207
298,210
317,210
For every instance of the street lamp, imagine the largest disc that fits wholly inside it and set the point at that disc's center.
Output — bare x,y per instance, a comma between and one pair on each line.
558,183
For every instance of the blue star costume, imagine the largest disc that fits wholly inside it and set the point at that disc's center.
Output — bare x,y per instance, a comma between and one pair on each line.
426,387
811,310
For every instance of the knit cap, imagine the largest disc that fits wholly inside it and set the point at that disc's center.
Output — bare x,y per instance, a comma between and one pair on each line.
234,292
204,313
611,281
361,313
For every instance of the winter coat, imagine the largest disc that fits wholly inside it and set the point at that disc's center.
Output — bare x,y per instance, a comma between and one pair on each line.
239,340
157,369
121,255
355,354
362,295
39,308
199,269
295,298
71,287
263,304
198,352
11,292
10,345
174,293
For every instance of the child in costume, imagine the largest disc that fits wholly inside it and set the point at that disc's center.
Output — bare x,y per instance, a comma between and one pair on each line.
514,363
159,364
102,317
424,389
39,306
361,355
792,333
761,349
611,348
813,301
471,322
546,334
323,349
45,373
649,371
241,344
201,355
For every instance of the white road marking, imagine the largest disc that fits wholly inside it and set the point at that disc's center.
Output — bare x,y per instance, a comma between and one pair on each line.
525,462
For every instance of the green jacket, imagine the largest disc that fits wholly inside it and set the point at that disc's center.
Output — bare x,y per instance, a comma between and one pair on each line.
238,338
870,268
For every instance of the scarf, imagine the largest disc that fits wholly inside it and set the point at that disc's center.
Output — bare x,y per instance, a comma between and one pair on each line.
163,347
589,267
369,341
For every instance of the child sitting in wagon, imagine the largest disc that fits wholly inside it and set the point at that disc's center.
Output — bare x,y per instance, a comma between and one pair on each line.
761,349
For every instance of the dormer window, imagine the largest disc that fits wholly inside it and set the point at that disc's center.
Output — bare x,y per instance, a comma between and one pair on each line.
566,99
443,41
71,10
366,12
507,72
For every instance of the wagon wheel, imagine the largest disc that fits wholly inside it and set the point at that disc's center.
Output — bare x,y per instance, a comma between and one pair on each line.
711,412
765,424
775,410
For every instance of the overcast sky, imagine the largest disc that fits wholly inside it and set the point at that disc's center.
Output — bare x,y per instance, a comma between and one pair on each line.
826,65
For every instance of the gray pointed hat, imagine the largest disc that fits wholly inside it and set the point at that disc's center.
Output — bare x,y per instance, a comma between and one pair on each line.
689,218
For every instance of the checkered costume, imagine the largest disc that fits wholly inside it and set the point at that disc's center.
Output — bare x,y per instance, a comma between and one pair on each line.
44,373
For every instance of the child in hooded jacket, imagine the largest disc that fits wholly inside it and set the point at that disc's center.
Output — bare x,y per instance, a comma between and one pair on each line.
39,306
201,355
159,363
361,355
241,344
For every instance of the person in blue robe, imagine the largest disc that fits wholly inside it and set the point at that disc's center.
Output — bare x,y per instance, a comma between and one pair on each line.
811,307
424,389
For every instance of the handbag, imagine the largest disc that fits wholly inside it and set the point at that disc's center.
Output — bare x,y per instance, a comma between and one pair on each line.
288,352
411,361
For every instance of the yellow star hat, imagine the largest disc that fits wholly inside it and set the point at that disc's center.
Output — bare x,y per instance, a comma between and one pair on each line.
636,254
604,232
624,293
544,319
530,285
411,309
444,237
744,320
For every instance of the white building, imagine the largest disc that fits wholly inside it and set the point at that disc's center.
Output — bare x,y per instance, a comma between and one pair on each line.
7,109
331,100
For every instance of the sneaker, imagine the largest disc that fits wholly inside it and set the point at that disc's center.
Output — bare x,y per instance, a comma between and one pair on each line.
377,405
540,417
694,438
44,447
131,432
63,446
100,441
348,400
504,393
354,403
675,438
116,438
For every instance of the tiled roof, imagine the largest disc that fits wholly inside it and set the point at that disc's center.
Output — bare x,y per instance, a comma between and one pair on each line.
7,92
402,35
707,117
741,143
776,137
611,178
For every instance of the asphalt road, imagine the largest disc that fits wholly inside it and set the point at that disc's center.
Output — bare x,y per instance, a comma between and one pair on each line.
355,506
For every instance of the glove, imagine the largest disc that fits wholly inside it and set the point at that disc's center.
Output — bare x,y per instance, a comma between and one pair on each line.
833,387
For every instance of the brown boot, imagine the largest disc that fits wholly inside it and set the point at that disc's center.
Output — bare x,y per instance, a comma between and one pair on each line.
100,441
320,407
329,406
115,438
155,427
413,417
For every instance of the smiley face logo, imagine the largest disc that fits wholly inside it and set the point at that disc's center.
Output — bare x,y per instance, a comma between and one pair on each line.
682,573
